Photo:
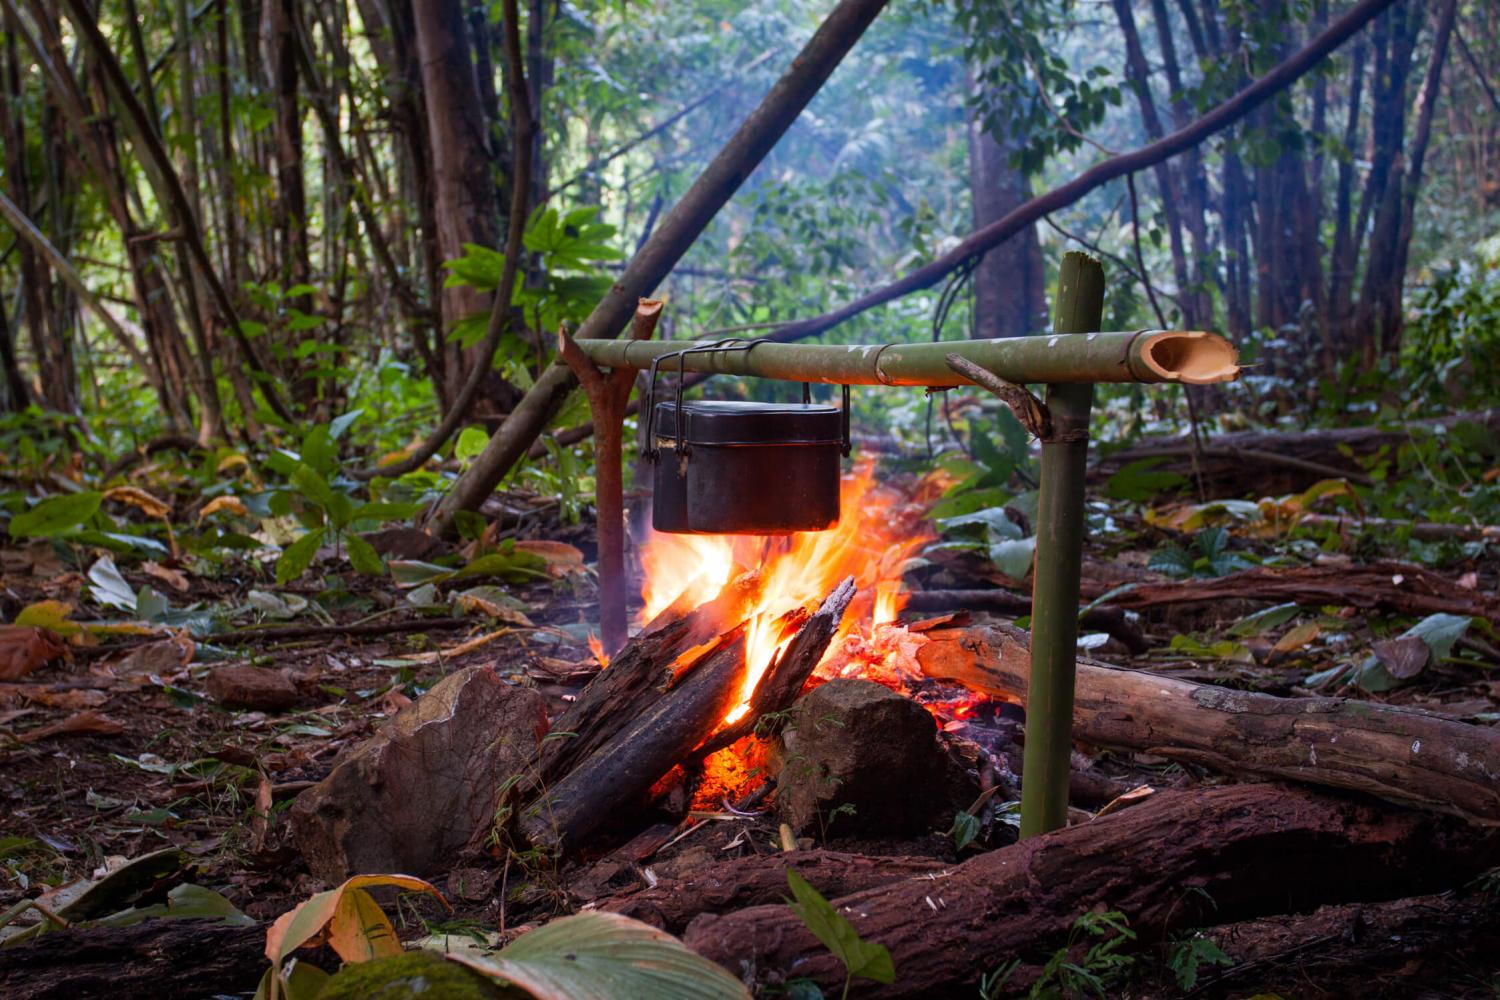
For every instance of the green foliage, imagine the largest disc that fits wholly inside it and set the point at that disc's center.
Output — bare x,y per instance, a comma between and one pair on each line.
1142,482
1189,955
1450,354
1208,556
55,516
1103,964
860,959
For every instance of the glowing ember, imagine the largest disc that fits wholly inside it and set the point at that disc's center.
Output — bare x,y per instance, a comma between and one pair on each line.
878,531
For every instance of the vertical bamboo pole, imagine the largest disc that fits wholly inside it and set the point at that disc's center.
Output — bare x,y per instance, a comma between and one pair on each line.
1059,557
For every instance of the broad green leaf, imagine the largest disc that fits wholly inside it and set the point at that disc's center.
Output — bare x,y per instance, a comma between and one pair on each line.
605,956
1013,556
1439,632
994,519
109,587
414,572
363,557
297,557
1264,620
380,510
319,452
341,424
512,567
313,486
861,958
56,515
50,615
1140,482
471,444
185,902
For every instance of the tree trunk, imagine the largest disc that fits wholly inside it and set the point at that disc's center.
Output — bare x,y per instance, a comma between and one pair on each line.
1009,281
463,183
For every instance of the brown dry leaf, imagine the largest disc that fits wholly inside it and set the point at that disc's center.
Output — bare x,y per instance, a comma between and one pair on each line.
1138,794
232,504
71,700
173,578
87,721
476,602
393,702
151,506
1404,658
260,815
561,557
161,657
24,648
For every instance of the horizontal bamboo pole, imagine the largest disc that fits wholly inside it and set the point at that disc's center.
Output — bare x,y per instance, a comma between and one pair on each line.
1193,357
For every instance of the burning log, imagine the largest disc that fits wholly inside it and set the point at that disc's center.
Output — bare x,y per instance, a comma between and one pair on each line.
638,675
1181,859
1402,755
665,728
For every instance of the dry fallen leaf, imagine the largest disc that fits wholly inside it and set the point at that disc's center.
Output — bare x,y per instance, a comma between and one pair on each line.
232,504
163,657
173,578
151,506
87,721
561,557
71,699
24,648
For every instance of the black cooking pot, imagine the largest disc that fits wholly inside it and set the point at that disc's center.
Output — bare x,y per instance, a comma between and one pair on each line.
736,468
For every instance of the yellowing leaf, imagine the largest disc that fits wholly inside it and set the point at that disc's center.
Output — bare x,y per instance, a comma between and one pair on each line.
1297,638
326,917
234,460
136,497
233,504
50,615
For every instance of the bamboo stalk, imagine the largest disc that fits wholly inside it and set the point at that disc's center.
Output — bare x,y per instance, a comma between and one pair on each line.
1189,356
1059,561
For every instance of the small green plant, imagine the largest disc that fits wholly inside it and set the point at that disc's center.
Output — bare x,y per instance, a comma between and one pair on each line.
860,958
1186,956
1102,965
1208,556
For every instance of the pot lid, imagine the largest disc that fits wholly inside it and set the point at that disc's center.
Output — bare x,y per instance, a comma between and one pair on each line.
733,422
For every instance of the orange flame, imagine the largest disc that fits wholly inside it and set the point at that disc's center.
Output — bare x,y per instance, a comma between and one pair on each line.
878,530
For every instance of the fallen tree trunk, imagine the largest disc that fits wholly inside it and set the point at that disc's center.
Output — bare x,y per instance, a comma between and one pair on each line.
730,885
1388,948
1402,755
1384,586
155,958
1269,462
1178,860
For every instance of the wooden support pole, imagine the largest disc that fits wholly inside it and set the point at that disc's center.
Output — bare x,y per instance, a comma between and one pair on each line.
1059,564
607,396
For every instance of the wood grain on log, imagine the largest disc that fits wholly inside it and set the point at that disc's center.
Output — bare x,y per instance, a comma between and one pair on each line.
750,881
1402,755
155,958
647,747
1383,586
1180,859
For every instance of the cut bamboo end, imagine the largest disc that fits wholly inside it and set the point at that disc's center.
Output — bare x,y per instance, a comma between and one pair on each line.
1190,356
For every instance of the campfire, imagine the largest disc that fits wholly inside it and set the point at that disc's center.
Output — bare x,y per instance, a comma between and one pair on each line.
880,529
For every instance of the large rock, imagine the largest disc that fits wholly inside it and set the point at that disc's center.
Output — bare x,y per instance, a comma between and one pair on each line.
409,797
858,758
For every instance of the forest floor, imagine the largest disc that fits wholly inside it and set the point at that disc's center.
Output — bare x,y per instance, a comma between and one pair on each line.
120,748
